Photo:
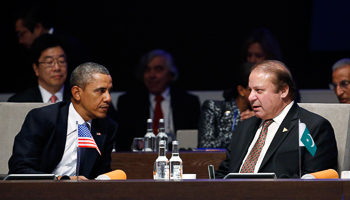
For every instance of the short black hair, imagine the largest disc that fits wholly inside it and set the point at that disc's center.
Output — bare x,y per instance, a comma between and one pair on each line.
83,74
42,43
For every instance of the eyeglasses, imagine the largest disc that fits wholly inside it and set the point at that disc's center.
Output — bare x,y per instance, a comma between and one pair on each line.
344,84
51,63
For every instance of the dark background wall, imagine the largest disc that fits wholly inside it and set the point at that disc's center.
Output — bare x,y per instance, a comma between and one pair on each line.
205,37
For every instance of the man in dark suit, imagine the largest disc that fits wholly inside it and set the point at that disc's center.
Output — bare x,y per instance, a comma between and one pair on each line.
50,66
32,22
47,142
180,110
269,141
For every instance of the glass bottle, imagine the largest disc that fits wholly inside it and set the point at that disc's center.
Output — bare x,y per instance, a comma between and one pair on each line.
176,167
161,135
149,137
162,163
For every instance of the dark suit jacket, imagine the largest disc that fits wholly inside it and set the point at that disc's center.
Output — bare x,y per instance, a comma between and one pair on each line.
282,157
33,94
39,146
133,112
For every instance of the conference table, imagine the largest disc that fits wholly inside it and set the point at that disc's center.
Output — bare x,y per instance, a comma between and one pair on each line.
139,165
140,185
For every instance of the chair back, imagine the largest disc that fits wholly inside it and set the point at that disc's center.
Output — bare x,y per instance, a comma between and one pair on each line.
339,116
187,138
12,116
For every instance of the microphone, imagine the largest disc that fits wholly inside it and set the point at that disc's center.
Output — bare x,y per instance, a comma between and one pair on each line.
284,176
113,175
325,174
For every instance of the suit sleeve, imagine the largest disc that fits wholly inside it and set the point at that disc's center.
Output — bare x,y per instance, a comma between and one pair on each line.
326,156
224,165
28,145
104,162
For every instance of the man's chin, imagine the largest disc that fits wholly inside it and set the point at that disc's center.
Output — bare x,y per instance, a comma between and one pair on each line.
344,101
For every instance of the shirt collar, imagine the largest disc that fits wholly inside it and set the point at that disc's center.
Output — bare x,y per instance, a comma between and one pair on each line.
74,117
280,117
165,94
47,95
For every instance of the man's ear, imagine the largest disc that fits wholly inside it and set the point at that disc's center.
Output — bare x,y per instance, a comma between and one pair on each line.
76,91
36,69
285,92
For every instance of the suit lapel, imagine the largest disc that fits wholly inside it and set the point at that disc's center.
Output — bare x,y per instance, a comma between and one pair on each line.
60,134
239,151
37,97
90,155
288,123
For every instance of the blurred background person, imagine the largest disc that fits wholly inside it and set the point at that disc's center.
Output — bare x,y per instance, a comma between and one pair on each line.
340,80
34,21
159,99
49,62
261,45
219,118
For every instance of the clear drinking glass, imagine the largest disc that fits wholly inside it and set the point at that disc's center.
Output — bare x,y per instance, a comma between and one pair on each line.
138,144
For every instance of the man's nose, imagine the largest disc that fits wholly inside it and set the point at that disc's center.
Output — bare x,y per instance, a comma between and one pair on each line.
252,96
56,66
339,90
108,97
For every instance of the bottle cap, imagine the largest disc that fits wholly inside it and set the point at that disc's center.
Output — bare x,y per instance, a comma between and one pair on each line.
175,142
161,120
149,120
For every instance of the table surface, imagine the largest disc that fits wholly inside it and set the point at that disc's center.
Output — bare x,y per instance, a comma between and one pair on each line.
185,189
139,165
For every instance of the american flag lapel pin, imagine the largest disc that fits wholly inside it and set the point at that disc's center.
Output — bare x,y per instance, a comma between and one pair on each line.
98,133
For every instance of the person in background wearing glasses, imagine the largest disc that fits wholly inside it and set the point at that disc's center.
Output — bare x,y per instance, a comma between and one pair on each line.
32,22
50,66
341,78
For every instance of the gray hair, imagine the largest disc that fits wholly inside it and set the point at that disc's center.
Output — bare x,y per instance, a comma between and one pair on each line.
341,63
148,58
82,75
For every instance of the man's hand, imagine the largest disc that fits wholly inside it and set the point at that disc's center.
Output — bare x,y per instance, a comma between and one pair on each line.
74,178
247,114
80,178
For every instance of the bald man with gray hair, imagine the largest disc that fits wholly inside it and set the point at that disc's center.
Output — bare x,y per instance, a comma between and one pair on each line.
340,80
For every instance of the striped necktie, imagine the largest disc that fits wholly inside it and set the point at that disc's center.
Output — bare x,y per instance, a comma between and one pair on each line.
250,162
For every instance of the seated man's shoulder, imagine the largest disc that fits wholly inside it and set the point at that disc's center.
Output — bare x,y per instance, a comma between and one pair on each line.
175,92
308,115
51,109
31,94
132,94
109,121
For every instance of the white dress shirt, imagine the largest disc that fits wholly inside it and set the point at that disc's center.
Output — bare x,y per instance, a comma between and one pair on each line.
166,109
68,163
271,132
47,95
